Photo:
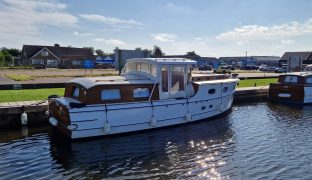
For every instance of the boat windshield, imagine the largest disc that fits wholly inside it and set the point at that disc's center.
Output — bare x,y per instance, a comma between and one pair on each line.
140,67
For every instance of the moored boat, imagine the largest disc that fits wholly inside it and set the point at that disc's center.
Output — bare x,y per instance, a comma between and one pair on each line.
150,93
292,88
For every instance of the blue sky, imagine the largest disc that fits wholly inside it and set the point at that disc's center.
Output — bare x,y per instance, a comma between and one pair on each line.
208,27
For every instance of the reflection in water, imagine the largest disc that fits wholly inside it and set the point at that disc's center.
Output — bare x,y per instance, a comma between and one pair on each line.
254,141
184,151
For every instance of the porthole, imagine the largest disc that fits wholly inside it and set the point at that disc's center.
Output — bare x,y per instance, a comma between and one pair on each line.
225,89
211,91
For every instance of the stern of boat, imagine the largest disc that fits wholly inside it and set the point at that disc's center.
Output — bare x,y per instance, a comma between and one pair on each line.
59,117
286,92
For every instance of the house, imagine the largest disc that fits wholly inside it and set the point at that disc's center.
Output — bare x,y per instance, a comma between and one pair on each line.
55,56
268,60
294,60
121,55
200,60
238,61
243,61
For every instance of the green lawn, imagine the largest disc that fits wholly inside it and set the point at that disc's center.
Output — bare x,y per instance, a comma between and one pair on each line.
40,94
258,82
29,94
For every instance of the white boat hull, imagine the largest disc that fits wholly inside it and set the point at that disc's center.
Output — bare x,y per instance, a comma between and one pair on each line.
108,119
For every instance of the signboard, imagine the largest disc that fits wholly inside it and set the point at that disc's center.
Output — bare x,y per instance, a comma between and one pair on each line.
88,64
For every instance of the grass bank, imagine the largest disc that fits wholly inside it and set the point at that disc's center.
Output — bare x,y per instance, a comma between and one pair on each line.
22,77
28,94
256,82
40,94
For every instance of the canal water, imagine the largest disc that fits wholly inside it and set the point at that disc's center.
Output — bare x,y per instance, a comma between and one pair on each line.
254,141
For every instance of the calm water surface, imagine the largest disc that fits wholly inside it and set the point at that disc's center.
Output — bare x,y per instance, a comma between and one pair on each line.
254,141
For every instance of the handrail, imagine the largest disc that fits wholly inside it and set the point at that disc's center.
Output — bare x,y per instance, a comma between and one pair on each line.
150,97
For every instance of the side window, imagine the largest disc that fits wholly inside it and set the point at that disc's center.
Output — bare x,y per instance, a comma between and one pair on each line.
291,79
75,91
141,92
110,94
211,91
309,80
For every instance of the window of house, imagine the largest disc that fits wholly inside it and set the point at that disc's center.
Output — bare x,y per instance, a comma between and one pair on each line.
37,61
211,91
141,92
76,62
44,53
110,94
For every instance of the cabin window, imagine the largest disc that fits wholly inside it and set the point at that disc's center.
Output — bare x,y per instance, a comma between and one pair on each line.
309,80
141,92
211,91
177,78
164,78
153,70
110,94
225,89
76,92
291,79
131,67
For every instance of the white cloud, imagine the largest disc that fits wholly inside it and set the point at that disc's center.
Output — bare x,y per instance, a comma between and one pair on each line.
198,38
114,42
82,34
163,37
178,8
21,19
288,41
241,42
108,20
253,32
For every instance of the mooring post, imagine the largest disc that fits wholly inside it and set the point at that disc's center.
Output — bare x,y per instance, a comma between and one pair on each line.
24,119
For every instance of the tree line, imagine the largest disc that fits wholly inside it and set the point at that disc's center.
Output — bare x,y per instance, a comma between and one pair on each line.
7,56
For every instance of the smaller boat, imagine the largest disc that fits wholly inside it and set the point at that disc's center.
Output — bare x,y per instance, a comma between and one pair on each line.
292,87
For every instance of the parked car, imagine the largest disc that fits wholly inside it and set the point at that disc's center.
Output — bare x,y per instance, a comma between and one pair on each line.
205,68
280,70
263,67
223,69
39,66
270,69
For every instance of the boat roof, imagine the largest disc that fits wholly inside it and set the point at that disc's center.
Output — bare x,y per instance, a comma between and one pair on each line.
162,60
303,74
111,80
216,81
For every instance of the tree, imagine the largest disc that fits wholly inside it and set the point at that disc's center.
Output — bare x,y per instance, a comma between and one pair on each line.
191,53
8,58
157,51
100,52
2,59
92,49
14,52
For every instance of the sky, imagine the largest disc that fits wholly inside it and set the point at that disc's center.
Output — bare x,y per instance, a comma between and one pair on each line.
213,28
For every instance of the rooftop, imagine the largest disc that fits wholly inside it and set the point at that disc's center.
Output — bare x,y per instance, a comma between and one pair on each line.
111,80
163,60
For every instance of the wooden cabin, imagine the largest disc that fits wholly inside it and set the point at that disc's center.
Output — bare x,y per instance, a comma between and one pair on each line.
293,88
